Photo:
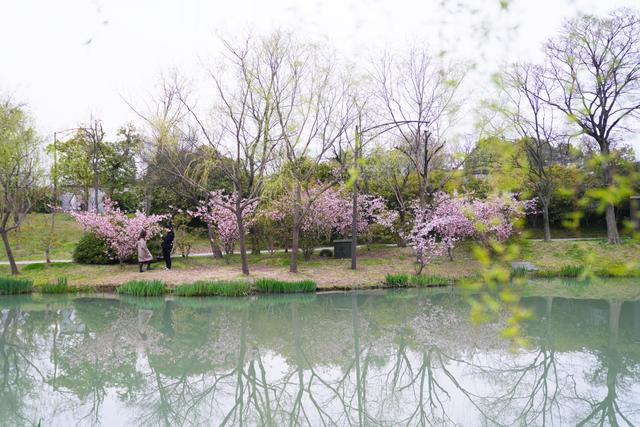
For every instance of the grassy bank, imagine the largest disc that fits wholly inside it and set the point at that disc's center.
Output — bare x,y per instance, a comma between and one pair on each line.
373,267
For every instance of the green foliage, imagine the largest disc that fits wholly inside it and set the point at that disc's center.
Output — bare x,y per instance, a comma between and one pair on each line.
399,280
11,286
218,288
430,280
571,270
275,286
60,287
519,272
143,288
92,250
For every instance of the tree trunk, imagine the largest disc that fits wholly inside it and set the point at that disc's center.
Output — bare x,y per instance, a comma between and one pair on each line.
610,215
612,228
95,191
215,247
354,227
7,248
255,247
545,220
242,240
402,218
295,236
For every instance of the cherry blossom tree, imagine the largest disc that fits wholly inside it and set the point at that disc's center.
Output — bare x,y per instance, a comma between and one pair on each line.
450,219
219,212
120,231
330,213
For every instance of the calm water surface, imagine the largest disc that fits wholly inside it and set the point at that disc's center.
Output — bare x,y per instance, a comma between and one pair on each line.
369,358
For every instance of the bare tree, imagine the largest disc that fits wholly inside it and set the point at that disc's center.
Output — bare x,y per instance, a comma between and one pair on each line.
314,112
536,128
19,172
94,134
415,88
594,70
172,151
239,126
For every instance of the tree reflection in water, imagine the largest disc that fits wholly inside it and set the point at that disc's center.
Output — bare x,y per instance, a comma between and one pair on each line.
370,358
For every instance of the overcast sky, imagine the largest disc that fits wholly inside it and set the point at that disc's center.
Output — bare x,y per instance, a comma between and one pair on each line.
68,59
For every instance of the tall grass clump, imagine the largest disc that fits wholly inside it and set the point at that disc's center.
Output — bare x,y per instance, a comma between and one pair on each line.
430,280
143,288
220,288
12,286
571,270
397,280
519,272
60,287
275,286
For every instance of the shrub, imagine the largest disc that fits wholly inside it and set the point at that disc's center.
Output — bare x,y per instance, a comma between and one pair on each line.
222,288
91,249
12,286
429,280
275,286
571,270
397,280
143,288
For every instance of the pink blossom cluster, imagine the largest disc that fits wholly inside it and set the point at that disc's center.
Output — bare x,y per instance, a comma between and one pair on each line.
219,211
330,211
120,231
451,219
373,210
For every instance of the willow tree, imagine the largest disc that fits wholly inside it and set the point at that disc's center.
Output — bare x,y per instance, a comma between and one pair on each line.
19,172
594,75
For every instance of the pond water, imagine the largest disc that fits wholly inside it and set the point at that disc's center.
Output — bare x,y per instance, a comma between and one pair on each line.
364,358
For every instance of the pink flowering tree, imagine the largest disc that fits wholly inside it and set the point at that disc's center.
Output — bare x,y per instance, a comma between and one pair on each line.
423,238
330,213
118,230
373,212
219,213
495,218
438,228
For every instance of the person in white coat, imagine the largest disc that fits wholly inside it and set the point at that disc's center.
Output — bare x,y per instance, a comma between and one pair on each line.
144,256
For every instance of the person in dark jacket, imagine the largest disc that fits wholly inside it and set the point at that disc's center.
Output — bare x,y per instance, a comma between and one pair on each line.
167,246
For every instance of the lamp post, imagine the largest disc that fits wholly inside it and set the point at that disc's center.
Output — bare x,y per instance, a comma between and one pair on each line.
358,144
54,202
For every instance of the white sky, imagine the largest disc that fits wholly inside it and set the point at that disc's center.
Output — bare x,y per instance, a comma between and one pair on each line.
69,58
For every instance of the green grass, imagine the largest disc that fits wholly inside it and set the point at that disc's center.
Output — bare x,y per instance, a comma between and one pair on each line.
275,286
430,280
143,288
13,286
519,272
39,266
571,270
218,288
397,280
61,287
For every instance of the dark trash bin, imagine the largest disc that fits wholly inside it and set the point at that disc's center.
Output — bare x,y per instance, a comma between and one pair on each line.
342,248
